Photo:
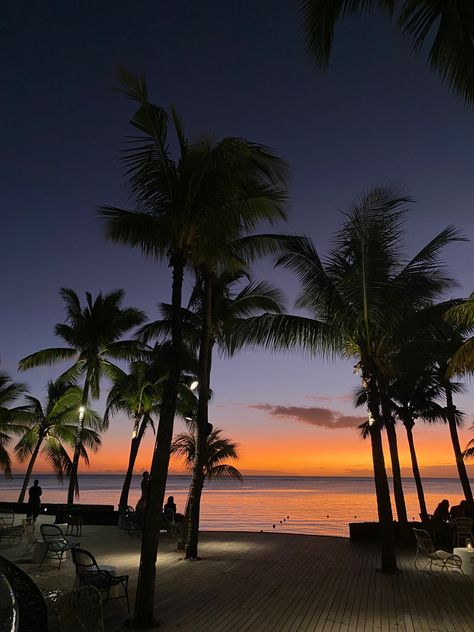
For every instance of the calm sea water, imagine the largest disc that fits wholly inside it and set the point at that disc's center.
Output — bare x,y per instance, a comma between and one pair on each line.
316,505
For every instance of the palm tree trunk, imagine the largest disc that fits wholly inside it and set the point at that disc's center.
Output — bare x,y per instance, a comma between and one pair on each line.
453,429
137,435
21,497
202,420
382,490
416,471
77,444
144,614
394,459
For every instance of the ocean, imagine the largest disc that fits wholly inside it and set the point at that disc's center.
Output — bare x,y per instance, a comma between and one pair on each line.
287,504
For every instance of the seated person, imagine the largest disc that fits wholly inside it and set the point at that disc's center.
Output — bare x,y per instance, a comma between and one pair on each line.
441,513
458,511
169,511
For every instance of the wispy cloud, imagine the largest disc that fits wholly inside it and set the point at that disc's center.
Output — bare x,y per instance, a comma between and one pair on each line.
312,415
331,398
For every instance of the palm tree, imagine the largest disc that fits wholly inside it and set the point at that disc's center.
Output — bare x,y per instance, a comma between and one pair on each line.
10,391
446,27
93,333
138,395
217,307
358,300
52,426
218,450
186,205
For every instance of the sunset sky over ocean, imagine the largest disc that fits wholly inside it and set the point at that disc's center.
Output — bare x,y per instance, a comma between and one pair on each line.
377,115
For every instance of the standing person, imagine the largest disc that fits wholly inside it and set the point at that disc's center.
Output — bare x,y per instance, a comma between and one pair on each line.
141,504
34,500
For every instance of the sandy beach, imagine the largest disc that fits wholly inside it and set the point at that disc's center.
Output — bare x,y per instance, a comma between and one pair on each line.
266,582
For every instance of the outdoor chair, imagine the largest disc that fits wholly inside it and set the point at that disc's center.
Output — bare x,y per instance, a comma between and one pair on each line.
90,573
462,530
168,523
80,609
426,549
8,530
31,604
29,530
56,543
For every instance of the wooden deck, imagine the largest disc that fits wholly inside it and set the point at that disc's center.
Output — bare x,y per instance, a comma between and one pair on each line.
265,582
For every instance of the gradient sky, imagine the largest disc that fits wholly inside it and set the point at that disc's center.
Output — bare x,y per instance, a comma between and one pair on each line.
232,68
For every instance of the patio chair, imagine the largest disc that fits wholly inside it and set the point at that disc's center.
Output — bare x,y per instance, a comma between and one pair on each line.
31,604
80,609
425,548
8,530
462,530
56,542
90,573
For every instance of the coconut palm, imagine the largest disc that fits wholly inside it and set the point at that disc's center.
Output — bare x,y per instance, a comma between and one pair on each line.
446,28
94,335
192,203
52,426
10,391
358,300
218,450
218,306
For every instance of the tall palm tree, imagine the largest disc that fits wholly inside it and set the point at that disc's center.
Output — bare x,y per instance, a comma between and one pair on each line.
218,307
138,395
194,202
10,391
446,27
93,333
51,427
358,299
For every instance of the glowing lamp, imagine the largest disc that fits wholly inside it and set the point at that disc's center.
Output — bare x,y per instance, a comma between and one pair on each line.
194,385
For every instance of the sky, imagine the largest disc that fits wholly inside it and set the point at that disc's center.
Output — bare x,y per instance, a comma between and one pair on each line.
234,68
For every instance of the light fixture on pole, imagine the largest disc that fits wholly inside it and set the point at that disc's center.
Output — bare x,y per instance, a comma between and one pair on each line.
194,385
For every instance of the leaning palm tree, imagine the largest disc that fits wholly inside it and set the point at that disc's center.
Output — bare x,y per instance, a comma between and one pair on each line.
446,28
10,391
357,301
186,204
52,426
93,333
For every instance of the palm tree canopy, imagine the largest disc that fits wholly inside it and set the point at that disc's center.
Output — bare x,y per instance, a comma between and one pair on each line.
10,391
462,317
54,424
218,450
359,297
195,202
444,27
93,333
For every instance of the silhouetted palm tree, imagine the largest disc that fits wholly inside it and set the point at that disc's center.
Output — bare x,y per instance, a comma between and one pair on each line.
93,333
185,206
358,300
445,27
52,427
10,391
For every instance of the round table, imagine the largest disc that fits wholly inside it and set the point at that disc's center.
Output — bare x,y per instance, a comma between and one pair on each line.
467,559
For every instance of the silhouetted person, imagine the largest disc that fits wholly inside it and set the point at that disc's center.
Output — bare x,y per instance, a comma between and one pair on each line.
141,504
441,512
458,511
169,510
145,483
34,500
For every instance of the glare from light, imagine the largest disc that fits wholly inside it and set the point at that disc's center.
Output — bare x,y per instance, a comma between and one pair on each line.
194,385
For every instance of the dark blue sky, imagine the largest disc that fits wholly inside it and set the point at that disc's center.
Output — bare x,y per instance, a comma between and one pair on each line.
233,68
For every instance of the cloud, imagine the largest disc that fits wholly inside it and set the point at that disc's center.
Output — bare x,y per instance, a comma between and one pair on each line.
331,398
312,415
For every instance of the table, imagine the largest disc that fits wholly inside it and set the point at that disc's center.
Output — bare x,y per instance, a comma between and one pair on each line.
467,559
